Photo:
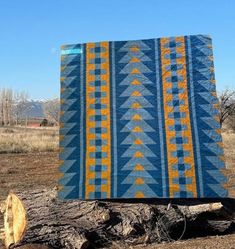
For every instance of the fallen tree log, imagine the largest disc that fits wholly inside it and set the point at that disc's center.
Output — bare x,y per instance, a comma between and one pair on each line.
38,216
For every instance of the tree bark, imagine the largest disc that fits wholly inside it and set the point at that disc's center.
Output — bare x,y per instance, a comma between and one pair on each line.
79,224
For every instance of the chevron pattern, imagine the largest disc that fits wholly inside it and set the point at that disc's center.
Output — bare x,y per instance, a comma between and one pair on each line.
209,133
137,132
139,119
70,112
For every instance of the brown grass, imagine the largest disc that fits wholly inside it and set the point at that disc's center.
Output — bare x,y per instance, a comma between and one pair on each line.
229,148
24,140
21,140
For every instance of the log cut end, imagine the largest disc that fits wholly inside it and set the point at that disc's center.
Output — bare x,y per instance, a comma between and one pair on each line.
15,220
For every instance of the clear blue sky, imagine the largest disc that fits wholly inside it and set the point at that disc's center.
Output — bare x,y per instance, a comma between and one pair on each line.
31,32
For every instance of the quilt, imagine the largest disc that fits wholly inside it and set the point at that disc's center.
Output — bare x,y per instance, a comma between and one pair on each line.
140,119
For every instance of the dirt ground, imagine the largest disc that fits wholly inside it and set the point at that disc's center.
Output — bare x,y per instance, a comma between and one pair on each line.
25,171
32,170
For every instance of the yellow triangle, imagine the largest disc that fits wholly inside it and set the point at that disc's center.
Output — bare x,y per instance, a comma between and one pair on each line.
138,167
134,49
135,71
134,59
138,154
136,105
139,195
138,141
139,181
136,94
136,117
135,82
137,129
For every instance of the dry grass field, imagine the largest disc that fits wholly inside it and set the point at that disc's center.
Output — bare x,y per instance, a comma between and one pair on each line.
229,148
29,159
22,140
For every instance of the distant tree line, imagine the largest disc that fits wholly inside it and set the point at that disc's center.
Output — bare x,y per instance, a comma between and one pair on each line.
14,107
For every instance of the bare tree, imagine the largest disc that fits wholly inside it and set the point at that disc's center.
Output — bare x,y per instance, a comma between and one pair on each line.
20,106
51,110
2,106
227,105
6,102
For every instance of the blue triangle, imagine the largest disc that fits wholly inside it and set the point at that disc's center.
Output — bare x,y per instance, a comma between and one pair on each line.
213,136
129,44
68,179
145,189
70,105
214,161
130,152
196,52
213,147
142,160
199,40
209,97
139,65
141,100
70,60
69,153
141,78
140,55
218,176
68,69
142,112
207,85
70,166
70,93
200,76
211,122
130,179
208,63
70,129
68,140
69,192
142,136
140,88
68,117
72,82
218,190
210,110
133,123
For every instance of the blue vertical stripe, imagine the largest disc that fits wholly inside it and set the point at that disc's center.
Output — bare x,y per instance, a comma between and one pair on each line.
81,185
114,124
83,76
160,109
193,118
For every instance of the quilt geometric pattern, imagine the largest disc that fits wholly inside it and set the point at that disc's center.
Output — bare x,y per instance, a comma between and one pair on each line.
139,119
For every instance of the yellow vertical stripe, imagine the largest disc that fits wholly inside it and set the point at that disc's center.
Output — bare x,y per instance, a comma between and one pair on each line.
174,187
104,124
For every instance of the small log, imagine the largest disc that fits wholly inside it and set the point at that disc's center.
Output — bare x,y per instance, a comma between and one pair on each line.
39,217
14,220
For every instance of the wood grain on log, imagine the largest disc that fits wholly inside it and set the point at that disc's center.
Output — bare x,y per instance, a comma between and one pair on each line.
78,224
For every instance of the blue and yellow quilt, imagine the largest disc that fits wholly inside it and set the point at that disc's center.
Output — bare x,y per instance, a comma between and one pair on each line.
139,119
